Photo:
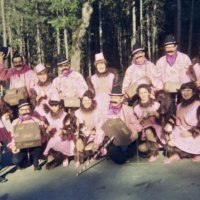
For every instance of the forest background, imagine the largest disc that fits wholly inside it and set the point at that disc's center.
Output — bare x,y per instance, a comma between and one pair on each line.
41,29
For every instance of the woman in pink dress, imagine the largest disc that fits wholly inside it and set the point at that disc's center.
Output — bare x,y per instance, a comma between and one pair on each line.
184,139
58,146
147,113
102,82
91,134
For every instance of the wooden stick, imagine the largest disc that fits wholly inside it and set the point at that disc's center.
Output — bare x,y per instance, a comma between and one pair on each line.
86,166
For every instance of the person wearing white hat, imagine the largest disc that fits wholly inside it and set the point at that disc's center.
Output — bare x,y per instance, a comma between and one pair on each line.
41,91
101,83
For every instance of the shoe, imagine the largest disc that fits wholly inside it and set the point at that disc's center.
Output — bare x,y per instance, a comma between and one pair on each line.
37,168
153,158
65,162
3,180
172,159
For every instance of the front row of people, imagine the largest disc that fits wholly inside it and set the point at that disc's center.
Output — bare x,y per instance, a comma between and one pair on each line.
80,133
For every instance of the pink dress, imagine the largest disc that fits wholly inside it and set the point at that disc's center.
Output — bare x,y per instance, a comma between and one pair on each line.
102,86
72,85
56,143
141,113
135,73
92,122
186,120
178,72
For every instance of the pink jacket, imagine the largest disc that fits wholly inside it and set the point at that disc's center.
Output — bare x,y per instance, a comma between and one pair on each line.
5,135
135,73
95,124
72,86
196,69
26,78
176,73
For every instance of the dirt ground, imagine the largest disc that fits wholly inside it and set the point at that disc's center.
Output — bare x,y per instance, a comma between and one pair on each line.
135,180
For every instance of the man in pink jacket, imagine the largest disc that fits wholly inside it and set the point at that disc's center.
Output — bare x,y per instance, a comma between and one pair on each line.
173,65
69,83
141,71
120,154
20,75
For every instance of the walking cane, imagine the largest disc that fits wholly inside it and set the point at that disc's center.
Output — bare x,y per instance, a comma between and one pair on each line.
86,166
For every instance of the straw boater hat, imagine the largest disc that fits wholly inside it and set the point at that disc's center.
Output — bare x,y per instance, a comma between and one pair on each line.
39,68
169,39
116,91
61,59
99,57
6,51
136,48
54,97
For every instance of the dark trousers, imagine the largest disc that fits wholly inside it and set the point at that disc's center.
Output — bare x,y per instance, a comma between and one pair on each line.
20,159
120,154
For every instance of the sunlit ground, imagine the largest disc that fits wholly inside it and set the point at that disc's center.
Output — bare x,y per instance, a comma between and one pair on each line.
136,180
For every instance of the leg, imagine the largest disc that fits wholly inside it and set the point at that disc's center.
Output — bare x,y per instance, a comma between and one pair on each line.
36,153
20,158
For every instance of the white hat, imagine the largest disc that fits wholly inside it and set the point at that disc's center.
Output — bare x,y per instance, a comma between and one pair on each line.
99,56
40,67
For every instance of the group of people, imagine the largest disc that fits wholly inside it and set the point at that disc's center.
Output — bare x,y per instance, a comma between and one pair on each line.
71,113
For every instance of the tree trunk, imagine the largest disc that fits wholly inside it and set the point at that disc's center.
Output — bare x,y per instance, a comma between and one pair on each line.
141,21
100,29
78,35
119,38
179,10
133,39
21,39
66,44
3,23
154,34
148,35
191,28
58,40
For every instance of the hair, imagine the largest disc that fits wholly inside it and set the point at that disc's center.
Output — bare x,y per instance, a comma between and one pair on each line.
148,87
17,55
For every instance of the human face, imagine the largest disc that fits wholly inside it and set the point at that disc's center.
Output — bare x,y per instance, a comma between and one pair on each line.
101,67
187,93
139,57
116,101
87,102
18,63
25,110
55,108
64,67
170,49
144,95
42,76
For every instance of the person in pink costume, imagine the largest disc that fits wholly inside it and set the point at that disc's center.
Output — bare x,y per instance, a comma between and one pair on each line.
147,113
91,135
184,137
174,65
41,92
69,83
20,156
102,82
57,147
141,70
120,154
20,75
